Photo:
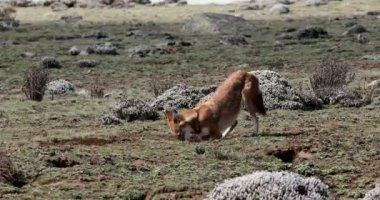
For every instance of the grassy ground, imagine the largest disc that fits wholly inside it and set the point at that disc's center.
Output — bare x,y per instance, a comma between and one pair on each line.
66,153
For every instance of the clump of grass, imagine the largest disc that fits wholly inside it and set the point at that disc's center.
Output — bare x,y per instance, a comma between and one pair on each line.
159,86
35,81
307,169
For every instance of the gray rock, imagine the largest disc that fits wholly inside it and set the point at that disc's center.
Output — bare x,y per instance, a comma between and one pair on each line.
213,23
50,62
95,34
279,94
279,9
251,6
181,96
146,50
375,57
86,63
355,29
106,49
60,86
361,38
58,6
233,40
74,51
110,118
373,194
28,54
316,2
311,32
271,185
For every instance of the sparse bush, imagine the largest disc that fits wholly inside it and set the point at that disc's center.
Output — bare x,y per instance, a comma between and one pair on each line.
130,110
271,185
159,86
8,173
97,91
35,83
329,74
6,20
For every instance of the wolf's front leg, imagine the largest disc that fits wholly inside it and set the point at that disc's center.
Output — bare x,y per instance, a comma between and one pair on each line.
255,126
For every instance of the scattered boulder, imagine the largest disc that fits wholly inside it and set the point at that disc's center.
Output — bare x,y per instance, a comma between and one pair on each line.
374,13
361,38
251,6
271,185
71,18
67,37
106,49
213,23
355,29
146,50
28,54
87,63
50,62
279,94
373,194
311,32
152,35
316,2
181,96
279,9
130,110
69,3
233,40
60,86
74,51
375,57
21,3
271,3
95,34
58,6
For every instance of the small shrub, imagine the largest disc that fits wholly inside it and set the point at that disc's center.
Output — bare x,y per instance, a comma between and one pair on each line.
97,91
130,110
329,74
271,185
35,83
8,173
159,86
6,20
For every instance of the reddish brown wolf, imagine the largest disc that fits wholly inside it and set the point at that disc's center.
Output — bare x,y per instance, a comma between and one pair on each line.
216,117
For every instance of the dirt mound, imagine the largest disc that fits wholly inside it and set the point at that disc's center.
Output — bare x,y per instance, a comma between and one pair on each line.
8,173
181,96
271,185
279,94
213,23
